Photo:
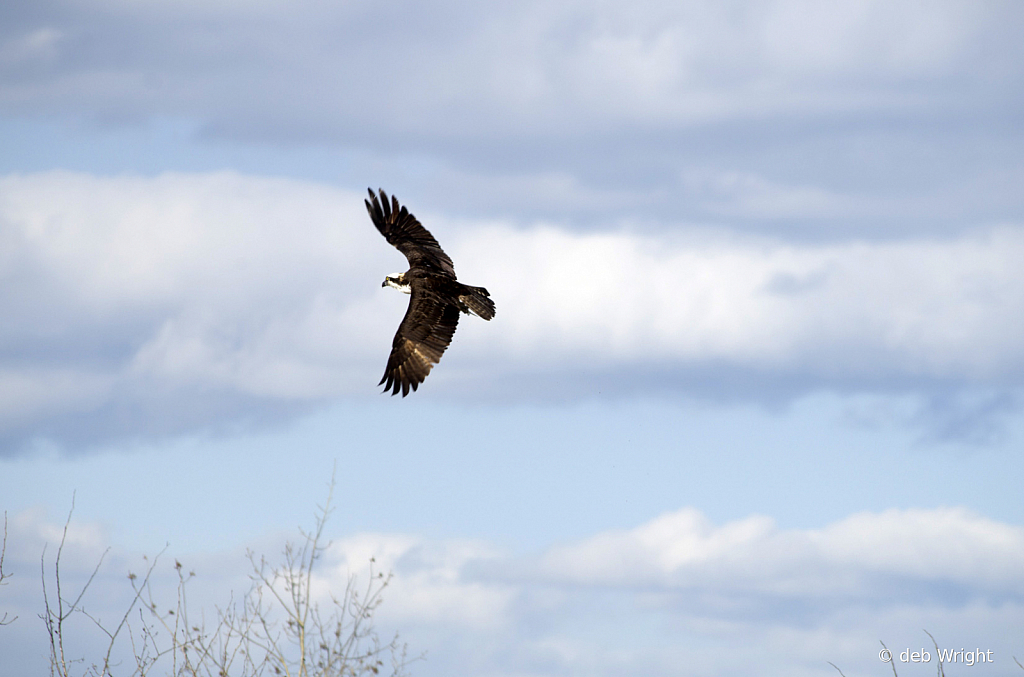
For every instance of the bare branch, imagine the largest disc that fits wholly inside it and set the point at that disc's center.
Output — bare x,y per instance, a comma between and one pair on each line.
892,663
941,670
55,619
837,668
3,551
131,606
276,628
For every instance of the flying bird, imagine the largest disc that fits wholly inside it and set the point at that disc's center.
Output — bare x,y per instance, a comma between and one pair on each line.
437,296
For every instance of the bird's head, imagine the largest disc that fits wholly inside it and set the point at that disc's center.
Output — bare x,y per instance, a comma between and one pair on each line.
398,281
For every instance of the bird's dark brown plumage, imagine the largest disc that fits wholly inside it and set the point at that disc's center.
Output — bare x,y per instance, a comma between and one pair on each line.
407,235
437,297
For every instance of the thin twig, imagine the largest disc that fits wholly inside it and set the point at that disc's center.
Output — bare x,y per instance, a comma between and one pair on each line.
3,552
276,628
55,621
892,663
135,600
941,670
836,667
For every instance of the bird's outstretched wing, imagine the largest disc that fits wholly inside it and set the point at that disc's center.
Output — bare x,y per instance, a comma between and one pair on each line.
421,339
408,235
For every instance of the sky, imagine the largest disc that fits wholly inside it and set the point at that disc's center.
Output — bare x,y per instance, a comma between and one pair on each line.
753,399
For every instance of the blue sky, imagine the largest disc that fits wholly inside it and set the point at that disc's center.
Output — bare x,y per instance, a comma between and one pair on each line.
752,400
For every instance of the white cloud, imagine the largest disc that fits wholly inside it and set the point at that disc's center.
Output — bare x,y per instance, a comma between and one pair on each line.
429,585
926,308
752,556
215,282
154,290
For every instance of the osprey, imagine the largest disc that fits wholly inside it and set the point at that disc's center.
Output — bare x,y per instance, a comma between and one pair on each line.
437,297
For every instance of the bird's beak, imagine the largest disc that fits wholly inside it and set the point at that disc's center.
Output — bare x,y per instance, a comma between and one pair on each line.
384,283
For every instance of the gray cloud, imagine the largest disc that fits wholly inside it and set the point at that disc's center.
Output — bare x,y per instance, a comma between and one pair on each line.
877,119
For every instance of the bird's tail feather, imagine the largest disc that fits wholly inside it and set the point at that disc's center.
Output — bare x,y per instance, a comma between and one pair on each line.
478,301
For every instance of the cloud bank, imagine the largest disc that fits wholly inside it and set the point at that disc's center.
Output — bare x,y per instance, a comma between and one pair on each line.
874,118
677,593
138,306
540,69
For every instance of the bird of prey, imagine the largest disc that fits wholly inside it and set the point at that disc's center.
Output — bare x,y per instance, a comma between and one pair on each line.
437,297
